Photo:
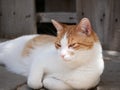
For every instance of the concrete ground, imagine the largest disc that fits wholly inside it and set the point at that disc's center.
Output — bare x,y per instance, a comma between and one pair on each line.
110,80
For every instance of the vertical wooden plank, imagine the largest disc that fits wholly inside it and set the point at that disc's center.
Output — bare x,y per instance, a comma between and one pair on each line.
115,41
17,18
108,27
25,17
7,17
99,13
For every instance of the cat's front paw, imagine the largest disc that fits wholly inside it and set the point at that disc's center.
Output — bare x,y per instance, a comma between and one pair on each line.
34,84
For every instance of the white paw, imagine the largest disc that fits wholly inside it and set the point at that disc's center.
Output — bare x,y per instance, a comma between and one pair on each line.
47,83
55,84
34,84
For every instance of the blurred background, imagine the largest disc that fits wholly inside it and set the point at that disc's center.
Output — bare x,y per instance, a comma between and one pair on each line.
22,17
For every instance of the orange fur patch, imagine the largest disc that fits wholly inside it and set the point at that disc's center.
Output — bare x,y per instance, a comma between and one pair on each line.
80,39
37,42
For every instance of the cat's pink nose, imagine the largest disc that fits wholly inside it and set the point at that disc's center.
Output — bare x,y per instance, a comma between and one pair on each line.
62,55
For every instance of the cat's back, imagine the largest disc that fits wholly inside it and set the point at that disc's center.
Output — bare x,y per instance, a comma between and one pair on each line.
12,49
40,42
25,43
15,44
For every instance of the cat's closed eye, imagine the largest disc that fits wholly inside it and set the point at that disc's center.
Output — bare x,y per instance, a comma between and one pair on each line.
57,45
73,45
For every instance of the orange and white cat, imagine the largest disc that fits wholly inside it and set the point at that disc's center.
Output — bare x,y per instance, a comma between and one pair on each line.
72,60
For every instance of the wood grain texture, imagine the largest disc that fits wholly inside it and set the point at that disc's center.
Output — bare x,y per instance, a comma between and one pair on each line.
17,18
115,40
63,17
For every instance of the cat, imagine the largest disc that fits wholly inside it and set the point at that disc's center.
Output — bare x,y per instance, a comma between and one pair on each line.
72,60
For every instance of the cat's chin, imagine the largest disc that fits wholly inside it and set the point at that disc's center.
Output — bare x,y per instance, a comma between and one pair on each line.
67,59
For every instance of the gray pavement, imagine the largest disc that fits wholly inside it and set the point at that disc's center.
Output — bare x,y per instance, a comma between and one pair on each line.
110,79
10,81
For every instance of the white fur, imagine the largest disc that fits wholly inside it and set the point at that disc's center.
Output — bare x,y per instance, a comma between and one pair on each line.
80,71
64,48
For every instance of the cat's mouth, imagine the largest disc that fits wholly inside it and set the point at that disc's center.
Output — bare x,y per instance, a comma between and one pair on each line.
66,58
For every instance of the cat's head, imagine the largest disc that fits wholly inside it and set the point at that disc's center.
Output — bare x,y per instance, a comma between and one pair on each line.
73,39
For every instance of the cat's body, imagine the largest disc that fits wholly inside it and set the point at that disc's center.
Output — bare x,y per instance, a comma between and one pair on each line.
74,62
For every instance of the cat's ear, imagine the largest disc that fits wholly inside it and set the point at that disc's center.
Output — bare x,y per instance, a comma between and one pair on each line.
57,25
84,26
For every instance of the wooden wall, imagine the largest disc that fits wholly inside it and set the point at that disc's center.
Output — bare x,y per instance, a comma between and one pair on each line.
105,18
17,17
